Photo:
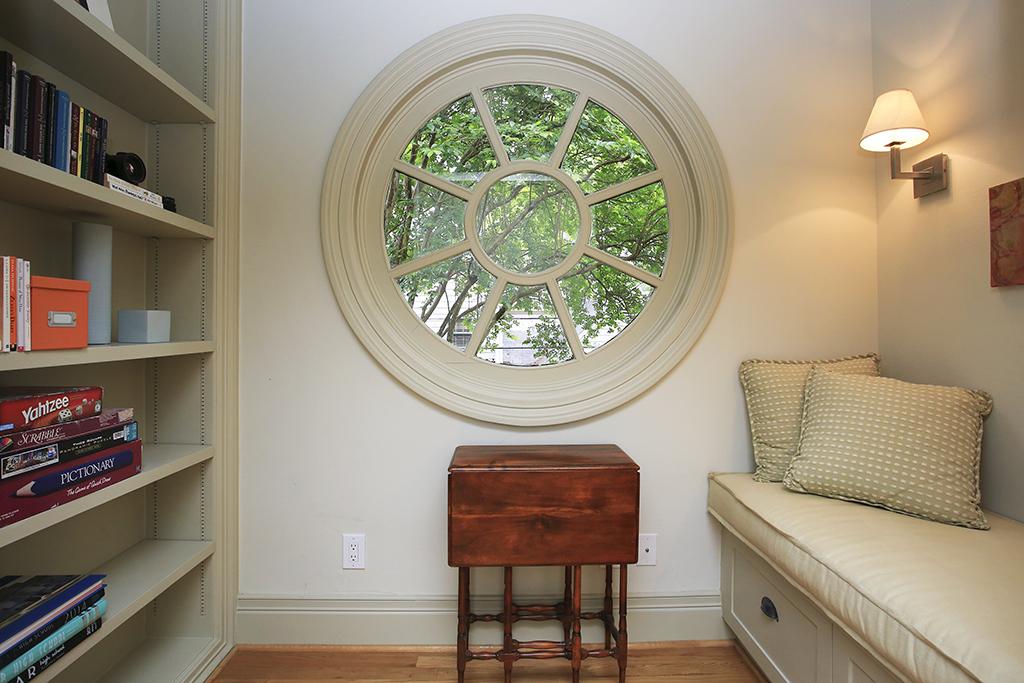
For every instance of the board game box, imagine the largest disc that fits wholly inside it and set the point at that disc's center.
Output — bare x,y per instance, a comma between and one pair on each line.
35,492
30,407
42,436
50,455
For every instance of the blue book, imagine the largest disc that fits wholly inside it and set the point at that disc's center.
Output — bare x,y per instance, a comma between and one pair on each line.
51,657
26,644
65,633
24,622
61,137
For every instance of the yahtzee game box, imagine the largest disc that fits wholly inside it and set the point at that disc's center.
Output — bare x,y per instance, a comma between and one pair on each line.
30,407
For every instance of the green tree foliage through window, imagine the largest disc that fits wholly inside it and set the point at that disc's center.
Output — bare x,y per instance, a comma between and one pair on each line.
528,222
525,329
448,296
529,118
634,227
453,144
420,219
604,151
603,301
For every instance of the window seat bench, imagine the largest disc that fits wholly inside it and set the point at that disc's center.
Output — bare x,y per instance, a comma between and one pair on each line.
825,590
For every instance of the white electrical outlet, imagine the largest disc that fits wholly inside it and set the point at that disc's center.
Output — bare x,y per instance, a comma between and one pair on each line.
648,550
353,551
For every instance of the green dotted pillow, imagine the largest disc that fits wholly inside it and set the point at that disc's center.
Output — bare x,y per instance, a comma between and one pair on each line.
912,448
775,400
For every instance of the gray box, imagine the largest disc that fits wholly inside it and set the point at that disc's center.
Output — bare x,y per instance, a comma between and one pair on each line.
136,326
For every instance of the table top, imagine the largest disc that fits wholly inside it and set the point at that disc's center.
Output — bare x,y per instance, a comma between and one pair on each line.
540,457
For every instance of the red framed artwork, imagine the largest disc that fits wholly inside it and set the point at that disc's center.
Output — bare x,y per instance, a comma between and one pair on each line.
1006,224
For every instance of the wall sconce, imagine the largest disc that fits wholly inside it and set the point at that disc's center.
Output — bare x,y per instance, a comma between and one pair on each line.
895,124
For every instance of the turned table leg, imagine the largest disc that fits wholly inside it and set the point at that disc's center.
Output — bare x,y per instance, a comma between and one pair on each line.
567,607
463,633
622,647
506,619
577,638
607,607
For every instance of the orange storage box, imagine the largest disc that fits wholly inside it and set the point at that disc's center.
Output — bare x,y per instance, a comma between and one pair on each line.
60,313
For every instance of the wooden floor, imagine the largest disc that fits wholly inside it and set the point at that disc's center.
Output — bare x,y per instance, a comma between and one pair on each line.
708,662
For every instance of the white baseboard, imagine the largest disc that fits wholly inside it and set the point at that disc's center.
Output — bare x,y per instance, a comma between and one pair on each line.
263,619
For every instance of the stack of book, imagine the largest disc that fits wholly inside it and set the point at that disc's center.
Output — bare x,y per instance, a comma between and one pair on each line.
42,123
16,321
44,617
57,444
134,191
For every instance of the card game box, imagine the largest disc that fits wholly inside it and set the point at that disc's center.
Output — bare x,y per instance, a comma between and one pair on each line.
30,407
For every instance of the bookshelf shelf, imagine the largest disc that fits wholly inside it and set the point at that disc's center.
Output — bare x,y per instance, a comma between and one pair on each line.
151,660
101,354
159,460
63,34
31,183
134,579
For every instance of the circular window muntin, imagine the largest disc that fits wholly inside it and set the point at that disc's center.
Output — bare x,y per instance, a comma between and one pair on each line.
561,54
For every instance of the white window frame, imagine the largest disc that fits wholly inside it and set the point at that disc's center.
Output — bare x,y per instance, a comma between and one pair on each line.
526,49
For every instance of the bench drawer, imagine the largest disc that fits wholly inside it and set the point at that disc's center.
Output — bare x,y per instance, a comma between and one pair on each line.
853,664
787,636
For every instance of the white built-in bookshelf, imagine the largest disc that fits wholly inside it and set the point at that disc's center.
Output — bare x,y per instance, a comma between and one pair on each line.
167,81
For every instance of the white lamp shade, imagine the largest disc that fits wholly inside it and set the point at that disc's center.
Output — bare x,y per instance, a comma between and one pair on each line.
895,118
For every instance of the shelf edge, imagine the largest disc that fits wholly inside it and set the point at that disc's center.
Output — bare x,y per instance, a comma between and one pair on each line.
112,353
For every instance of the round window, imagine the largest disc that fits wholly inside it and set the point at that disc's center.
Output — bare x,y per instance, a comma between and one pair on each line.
526,222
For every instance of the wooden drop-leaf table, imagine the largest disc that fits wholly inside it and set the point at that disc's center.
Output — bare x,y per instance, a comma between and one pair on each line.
518,506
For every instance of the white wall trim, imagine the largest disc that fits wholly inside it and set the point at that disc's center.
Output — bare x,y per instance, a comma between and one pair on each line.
430,620
228,164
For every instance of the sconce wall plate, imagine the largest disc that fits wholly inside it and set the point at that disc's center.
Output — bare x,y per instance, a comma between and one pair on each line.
937,181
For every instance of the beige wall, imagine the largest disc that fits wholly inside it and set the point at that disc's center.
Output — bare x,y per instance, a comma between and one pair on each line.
330,443
939,321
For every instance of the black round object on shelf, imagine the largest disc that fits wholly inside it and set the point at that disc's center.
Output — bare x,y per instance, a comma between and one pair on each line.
128,166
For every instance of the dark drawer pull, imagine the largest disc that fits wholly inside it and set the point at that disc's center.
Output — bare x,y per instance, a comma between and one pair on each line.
768,608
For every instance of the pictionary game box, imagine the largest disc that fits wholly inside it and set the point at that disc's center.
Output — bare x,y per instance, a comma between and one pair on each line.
37,490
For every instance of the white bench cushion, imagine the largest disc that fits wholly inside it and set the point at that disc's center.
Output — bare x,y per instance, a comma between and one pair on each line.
939,603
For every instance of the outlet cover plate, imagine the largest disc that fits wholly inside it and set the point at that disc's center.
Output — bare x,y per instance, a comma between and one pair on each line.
353,551
647,554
